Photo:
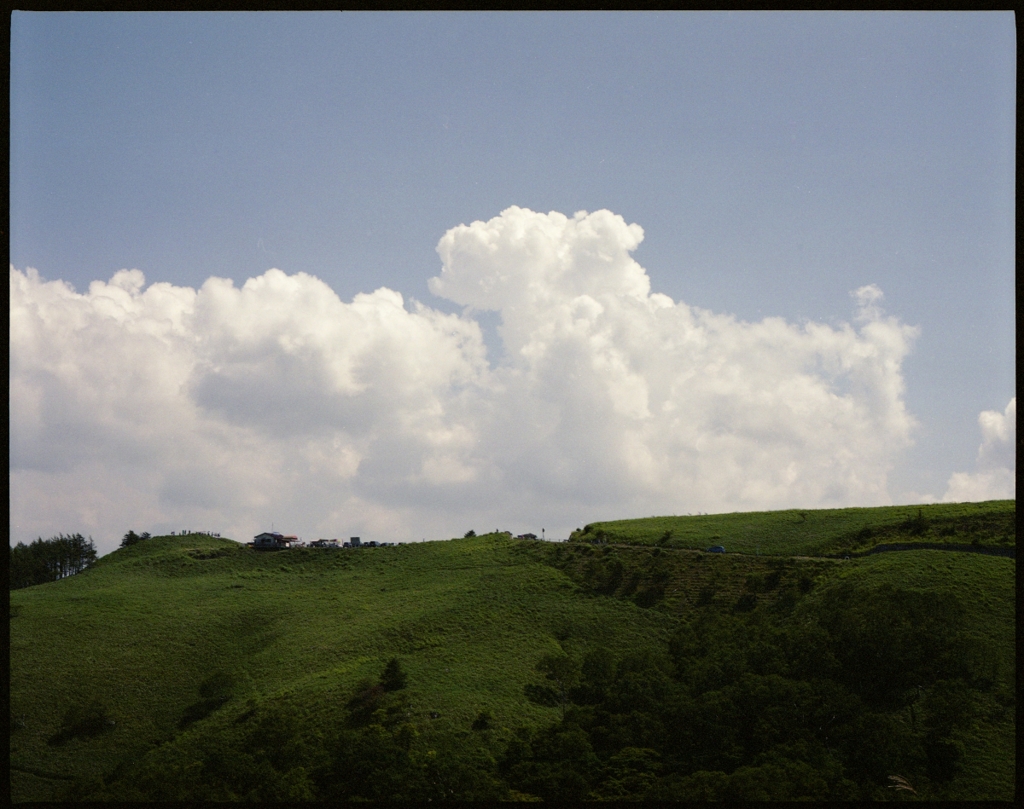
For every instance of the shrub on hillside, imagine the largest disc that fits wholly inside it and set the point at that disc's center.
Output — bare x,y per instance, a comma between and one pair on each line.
483,721
393,678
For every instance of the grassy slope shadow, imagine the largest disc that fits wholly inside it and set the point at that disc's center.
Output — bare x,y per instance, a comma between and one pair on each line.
82,721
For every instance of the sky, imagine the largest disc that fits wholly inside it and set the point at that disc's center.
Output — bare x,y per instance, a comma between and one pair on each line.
403,275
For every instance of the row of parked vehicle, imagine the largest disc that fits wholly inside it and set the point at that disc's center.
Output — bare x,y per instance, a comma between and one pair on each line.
272,540
354,542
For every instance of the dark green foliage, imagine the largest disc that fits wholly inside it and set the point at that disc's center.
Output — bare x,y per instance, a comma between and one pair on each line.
469,534
649,596
556,763
596,676
559,668
542,694
50,560
131,538
460,771
635,731
874,745
629,773
562,672
706,595
483,721
374,759
915,525
764,582
780,780
393,678
948,706
753,707
698,787
271,761
373,764
887,641
944,755
608,577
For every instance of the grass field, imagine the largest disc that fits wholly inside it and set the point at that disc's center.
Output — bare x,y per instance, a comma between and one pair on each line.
819,532
149,625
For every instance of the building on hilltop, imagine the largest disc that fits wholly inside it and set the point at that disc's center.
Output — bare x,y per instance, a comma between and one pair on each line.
272,540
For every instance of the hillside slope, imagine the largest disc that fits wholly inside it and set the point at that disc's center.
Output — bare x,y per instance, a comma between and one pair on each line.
135,679
819,532
143,630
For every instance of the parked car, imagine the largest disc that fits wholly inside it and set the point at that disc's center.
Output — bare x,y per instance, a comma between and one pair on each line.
716,549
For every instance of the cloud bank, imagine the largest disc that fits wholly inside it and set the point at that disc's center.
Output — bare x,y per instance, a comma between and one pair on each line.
996,475
161,407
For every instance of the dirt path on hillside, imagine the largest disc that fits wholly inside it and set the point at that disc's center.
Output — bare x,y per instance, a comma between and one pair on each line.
933,546
1010,553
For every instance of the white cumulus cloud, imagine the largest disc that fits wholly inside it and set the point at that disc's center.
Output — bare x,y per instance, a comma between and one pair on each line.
996,475
617,400
227,408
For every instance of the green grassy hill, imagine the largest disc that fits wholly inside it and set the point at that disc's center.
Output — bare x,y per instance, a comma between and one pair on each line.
133,671
145,628
819,532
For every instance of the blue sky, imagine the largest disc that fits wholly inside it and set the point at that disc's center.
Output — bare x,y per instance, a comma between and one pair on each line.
775,162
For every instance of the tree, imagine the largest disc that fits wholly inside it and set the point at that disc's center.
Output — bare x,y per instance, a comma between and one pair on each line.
131,538
629,772
563,671
50,559
469,534
483,721
889,640
556,763
393,678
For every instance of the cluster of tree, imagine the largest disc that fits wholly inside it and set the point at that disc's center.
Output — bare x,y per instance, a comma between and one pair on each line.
50,559
131,538
833,697
827,703
373,756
